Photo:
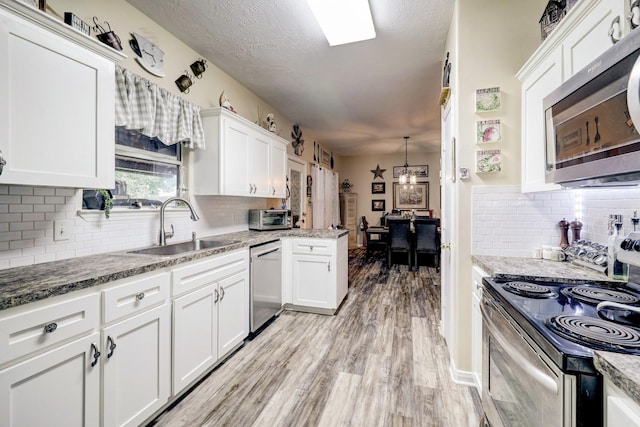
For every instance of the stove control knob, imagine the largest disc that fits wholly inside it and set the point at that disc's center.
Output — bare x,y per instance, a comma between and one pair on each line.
627,244
636,245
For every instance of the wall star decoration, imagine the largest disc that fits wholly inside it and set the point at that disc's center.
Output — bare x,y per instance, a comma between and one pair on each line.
377,172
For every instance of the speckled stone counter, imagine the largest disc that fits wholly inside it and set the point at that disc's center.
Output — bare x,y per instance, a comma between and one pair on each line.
22,285
538,269
623,371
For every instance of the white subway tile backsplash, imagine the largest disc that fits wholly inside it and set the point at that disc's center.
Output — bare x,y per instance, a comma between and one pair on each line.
18,189
44,191
515,223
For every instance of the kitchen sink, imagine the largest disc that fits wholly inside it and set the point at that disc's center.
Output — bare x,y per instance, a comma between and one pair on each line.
184,247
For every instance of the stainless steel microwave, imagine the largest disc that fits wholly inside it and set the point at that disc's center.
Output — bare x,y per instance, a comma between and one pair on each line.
592,121
268,219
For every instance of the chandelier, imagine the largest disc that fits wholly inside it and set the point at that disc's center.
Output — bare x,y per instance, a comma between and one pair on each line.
406,177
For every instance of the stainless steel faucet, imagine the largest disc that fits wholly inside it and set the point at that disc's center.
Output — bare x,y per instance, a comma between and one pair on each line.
164,235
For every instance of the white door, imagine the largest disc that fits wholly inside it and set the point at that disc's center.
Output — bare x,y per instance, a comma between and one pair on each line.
137,371
447,183
297,196
312,281
233,311
234,173
259,166
56,388
195,335
278,169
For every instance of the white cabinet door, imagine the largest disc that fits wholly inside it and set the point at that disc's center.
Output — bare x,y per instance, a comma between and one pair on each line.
591,38
56,388
234,155
278,170
546,77
137,371
195,335
259,166
312,280
233,312
56,109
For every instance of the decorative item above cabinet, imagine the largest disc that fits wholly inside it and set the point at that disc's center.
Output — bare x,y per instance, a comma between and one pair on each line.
57,108
241,158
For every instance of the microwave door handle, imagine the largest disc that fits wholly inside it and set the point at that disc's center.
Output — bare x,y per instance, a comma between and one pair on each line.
633,94
545,380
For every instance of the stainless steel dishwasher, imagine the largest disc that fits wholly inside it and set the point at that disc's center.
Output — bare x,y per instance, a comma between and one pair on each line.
266,283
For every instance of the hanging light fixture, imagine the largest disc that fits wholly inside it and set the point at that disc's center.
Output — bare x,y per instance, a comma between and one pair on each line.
406,177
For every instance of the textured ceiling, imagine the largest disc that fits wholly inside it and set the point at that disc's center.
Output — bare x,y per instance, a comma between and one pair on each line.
359,98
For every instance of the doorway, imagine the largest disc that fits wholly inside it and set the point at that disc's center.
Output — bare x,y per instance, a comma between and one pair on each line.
297,201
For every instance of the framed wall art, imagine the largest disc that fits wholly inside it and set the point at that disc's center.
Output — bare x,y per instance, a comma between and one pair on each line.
325,157
378,187
377,205
488,161
407,196
488,131
488,100
420,171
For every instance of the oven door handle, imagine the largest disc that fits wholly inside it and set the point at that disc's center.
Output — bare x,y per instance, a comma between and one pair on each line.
605,304
545,380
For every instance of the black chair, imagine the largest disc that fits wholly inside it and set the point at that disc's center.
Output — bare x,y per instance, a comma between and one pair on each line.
399,239
427,239
391,218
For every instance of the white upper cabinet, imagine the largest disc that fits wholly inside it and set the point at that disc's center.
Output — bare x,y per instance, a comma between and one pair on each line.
56,102
240,159
584,34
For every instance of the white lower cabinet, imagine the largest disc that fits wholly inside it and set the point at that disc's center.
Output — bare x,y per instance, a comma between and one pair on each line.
620,409
57,388
319,276
136,367
476,326
211,320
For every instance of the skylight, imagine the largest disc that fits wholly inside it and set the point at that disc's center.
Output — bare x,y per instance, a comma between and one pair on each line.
344,21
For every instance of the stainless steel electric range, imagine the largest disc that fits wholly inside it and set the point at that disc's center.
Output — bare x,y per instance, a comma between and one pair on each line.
538,344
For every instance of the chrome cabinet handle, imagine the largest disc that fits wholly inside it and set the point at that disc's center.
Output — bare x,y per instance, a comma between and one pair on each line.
217,296
615,32
96,355
2,162
140,296
274,190
311,248
329,266
222,293
111,346
50,327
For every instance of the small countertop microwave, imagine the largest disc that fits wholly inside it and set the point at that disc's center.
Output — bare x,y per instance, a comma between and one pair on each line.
268,219
592,121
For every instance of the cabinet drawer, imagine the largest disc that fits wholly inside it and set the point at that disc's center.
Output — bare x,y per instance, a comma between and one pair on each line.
312,247
134,296
40,328
202,273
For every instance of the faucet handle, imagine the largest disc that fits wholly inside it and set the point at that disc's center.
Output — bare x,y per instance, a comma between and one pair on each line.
169,234
194,236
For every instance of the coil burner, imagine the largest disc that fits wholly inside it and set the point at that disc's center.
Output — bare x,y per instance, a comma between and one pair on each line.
601,334
530,290
595,294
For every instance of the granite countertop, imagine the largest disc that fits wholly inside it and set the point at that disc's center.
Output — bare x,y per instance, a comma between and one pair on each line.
538,269
22,285
623,371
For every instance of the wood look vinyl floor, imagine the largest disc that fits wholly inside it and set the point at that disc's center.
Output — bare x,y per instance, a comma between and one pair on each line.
379,362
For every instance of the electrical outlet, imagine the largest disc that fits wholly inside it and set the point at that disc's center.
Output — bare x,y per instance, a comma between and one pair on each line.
62,229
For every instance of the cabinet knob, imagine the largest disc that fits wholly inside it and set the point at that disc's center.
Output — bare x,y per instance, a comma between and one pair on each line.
140,296
50,327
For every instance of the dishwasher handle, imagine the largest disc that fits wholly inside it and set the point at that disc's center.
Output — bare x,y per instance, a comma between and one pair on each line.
266,253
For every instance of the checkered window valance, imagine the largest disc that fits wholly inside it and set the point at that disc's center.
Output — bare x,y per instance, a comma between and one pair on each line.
144,106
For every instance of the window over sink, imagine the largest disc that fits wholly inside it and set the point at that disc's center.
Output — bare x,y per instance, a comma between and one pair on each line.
147,173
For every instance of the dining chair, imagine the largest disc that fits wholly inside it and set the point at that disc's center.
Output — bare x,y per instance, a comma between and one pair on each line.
427,239
399,239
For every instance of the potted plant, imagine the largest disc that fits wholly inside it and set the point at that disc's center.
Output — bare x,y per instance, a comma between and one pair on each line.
105,199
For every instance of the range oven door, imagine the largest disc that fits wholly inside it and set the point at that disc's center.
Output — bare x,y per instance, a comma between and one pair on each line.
520,386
